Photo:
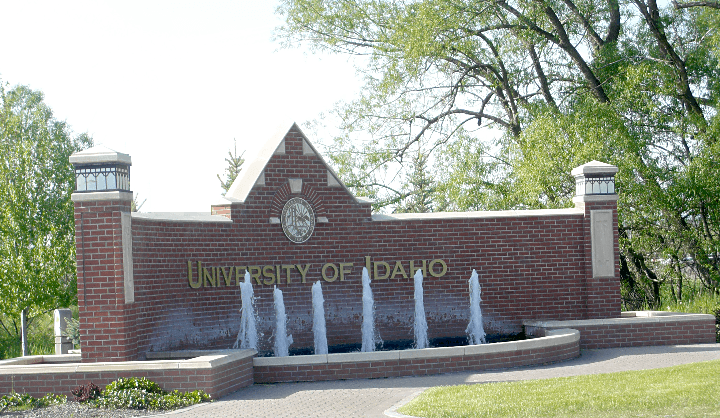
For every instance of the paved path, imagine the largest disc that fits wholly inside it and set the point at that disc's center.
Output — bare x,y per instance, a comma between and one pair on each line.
380,397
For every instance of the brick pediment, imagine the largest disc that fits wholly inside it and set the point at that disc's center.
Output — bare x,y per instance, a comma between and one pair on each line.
288,164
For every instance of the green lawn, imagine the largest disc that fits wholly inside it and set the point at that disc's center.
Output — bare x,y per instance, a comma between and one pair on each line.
691,390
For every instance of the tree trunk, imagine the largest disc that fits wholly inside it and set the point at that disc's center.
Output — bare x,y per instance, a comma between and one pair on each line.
23,333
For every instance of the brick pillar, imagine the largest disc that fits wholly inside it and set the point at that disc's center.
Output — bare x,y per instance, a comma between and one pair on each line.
595,194
103,243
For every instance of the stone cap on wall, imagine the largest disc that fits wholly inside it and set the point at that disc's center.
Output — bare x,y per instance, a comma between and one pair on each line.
181,217
476,214
593,169
99,154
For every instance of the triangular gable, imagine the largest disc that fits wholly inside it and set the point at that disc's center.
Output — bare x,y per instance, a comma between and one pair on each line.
253,173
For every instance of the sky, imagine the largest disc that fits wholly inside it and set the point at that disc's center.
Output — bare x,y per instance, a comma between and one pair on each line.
172,83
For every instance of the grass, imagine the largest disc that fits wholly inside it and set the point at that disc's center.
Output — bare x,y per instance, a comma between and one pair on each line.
681,391
704,302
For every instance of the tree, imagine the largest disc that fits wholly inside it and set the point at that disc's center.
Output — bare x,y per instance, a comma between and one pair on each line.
564,81
37,227
233,168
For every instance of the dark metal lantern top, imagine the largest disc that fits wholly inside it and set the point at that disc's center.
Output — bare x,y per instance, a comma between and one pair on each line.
594,178
595,185
101,169
102,177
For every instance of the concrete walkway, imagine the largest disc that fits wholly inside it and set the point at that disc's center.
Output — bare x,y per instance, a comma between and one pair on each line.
380,397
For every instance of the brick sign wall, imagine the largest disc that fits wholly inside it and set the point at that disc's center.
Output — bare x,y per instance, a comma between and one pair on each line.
531,265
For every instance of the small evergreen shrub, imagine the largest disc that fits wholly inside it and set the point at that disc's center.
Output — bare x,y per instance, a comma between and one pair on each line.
72,331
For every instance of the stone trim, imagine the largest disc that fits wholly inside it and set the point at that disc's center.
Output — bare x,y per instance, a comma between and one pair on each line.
129,286
181,217
595,198
101,196
477,215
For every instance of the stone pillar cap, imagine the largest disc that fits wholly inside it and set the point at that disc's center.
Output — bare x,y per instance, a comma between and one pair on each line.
98,155
594,168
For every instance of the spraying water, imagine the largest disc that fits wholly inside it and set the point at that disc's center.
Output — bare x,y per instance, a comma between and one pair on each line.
368,324
282,339
475,330
420,326
247,336
319,331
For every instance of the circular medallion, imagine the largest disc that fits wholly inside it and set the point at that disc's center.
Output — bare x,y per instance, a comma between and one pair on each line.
298,220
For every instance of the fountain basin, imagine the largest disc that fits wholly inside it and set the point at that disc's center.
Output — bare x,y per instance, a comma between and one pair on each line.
220,372
556,345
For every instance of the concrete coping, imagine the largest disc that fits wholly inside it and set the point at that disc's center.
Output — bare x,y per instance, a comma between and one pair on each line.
478,214
47,365
100,196
553,338
630,317
181,217
26,360
99,154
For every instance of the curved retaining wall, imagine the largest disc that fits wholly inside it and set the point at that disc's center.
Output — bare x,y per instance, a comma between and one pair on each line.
557,345
635,328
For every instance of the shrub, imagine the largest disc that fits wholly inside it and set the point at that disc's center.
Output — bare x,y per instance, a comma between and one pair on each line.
72,331
84,393
141,393
16,401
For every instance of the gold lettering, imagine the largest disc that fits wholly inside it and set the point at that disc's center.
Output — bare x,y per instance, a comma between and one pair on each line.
277,274
194,285
442,272
343,271
413,270
255,273
288,268
367,266
239,274
208,275
302,271
375,269
270,275
227,277
399,269
335,272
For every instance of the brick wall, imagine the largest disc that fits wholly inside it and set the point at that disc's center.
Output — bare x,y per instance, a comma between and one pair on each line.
531,265
648,329
107,323
39,380
416,366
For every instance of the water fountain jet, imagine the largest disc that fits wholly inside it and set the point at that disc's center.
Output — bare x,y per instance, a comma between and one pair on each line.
420,324
369,338
319,330
282,339
475,329
247,336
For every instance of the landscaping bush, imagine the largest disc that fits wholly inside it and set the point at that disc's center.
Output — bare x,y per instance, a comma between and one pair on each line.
72,331
141,393
16,401
84,393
